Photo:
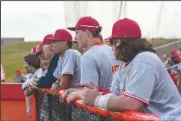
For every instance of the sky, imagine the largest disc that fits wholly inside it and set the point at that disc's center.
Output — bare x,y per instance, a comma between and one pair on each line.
34,19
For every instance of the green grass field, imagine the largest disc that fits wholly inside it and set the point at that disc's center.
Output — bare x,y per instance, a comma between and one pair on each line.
161,41
12,55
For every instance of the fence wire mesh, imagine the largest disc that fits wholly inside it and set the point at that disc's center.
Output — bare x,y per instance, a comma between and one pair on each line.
49,109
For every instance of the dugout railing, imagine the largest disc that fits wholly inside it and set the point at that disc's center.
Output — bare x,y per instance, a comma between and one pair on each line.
48,108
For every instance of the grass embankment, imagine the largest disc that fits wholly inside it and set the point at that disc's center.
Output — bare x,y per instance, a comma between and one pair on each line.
12,54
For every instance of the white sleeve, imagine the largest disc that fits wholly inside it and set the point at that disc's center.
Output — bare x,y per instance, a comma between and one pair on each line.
115,86
141,77
26,83
38,73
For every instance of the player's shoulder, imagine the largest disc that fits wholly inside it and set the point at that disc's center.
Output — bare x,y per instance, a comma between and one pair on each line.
147,57
38,73
100,47
106,47
29,76
72,52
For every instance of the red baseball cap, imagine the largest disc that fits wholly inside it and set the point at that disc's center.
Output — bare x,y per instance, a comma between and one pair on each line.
33,50
39,48
86,22
46,40
61,35
175,53
125,28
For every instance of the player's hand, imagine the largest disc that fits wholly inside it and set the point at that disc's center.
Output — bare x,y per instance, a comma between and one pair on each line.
72,96
61,98
65,93
33,83
89,95
55,87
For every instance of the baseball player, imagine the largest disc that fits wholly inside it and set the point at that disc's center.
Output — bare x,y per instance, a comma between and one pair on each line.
31,64
144,84
96,62
48,64
68,69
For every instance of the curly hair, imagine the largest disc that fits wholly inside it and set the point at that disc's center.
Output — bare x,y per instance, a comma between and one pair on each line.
129,48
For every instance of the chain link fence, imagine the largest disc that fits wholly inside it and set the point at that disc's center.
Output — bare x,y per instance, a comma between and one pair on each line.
49,109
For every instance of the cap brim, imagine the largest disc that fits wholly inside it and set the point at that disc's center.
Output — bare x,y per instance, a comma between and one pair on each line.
72,28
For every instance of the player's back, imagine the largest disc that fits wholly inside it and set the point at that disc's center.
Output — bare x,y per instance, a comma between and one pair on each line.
69,64
147,80
102,58
75,63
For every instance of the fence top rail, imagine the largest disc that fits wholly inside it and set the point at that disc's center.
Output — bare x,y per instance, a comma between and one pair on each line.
166,45
124,116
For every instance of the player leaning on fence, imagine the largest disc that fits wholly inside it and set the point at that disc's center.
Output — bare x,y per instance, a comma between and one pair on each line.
97,61
31,64
48,64
144,84
68,69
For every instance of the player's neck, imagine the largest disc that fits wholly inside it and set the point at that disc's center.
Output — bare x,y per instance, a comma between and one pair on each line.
63,53
92,43
33,70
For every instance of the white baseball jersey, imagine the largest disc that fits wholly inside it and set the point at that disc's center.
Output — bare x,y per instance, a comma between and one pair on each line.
38,74
28,78
96,66
174,115
69,64
117,65
146,79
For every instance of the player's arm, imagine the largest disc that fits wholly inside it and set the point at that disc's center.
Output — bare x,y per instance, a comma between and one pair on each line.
137,93
123,103
64,82
89,74
68,68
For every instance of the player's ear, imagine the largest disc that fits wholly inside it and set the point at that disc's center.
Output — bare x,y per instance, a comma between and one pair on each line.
89,34
63,43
